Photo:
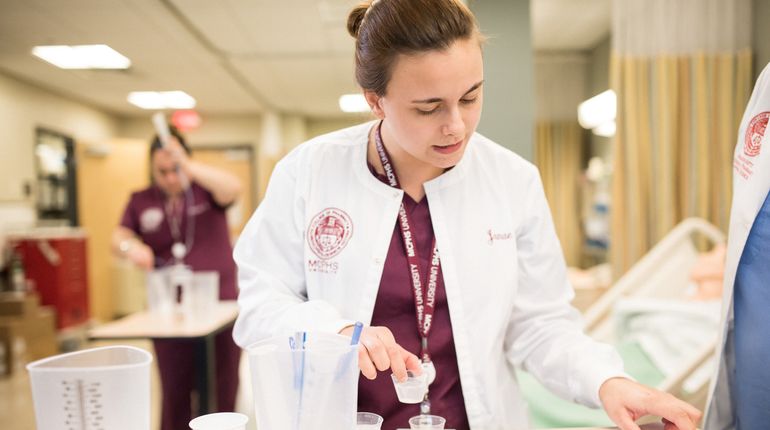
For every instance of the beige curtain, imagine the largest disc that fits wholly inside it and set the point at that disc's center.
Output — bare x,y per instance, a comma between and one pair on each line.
677,121
560,85
558,153
682,73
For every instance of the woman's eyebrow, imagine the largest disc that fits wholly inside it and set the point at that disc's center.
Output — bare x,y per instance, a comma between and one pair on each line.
437,99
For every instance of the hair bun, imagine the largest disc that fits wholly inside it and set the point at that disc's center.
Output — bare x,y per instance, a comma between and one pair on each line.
356,17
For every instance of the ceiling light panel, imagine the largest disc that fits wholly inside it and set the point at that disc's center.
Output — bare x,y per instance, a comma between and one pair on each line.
161,100
82,56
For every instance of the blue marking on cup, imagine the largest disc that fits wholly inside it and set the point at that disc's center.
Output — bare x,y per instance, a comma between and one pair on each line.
345,362
297,344
357,329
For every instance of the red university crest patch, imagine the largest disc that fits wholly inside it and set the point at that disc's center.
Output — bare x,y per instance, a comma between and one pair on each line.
755,131
329,231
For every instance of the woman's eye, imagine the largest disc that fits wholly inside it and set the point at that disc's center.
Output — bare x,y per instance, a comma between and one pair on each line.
469,101
427,112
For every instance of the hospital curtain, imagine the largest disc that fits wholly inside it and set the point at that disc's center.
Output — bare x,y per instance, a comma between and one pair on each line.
558,153
682,73
560,143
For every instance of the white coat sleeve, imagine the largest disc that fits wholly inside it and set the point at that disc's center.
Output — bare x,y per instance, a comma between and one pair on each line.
270,259
545,333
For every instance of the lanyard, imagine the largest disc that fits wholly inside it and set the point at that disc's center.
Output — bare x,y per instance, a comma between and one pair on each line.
174,222
424,292
180,249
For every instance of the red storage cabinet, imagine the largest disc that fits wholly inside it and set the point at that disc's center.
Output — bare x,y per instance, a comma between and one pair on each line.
55,261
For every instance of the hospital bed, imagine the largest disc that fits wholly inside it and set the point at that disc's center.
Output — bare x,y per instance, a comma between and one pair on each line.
658,281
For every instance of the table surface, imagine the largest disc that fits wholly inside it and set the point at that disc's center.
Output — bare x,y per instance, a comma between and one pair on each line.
147,324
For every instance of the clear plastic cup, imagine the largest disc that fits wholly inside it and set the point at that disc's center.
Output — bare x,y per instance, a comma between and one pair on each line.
106,388
368,421
427,422
203,296
160,295
413,389
178,290
220,421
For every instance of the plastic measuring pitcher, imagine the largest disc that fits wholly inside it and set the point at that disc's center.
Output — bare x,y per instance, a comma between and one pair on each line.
303,388
93,389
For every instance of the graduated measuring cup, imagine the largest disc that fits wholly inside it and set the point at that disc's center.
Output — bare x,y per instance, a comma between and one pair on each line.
311,388
94,389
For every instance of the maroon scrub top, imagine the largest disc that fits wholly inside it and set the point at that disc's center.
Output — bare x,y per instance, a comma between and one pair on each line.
202,226
395,309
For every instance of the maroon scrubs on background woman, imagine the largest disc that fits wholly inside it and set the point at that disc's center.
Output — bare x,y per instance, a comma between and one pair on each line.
209,249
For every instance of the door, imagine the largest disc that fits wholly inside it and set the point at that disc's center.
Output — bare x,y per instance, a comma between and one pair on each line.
107,175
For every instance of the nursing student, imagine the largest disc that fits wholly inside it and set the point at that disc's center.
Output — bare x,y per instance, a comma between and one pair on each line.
435,237
180,218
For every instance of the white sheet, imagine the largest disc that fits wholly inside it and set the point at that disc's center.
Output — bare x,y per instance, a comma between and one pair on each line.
669,331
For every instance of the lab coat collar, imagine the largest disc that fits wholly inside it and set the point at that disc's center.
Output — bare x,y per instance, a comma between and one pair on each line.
361,142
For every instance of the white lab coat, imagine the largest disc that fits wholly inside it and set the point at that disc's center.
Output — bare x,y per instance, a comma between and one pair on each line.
505,278
751,182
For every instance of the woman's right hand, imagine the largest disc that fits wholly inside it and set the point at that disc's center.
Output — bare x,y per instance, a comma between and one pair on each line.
378,350
141,255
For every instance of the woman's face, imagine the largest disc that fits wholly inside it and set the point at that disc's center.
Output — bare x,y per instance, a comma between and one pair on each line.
165,173
432,105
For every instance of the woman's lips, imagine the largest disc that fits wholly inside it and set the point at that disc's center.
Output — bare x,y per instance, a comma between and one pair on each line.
448,149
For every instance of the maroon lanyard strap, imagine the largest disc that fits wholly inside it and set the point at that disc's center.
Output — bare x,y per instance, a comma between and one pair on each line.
424,292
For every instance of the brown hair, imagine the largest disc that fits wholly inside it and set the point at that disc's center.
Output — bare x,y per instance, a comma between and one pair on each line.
386,28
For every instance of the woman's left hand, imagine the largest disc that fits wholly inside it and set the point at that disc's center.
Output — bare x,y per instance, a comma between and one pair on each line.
177,152
626,401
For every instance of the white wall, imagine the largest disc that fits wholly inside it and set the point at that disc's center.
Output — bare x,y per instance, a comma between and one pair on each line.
24,107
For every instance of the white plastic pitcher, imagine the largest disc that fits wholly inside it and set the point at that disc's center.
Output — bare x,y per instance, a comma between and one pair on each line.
301,390
93,389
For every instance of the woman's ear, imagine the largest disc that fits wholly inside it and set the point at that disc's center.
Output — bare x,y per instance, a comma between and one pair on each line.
375,103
